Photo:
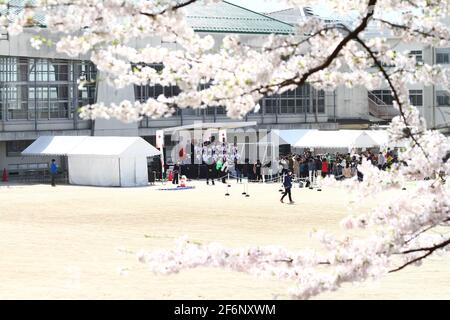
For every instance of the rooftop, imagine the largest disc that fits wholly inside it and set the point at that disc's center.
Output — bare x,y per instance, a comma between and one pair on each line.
221,17
296,15
231,18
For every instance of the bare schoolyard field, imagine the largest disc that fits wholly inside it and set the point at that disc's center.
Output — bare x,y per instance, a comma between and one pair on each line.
69,242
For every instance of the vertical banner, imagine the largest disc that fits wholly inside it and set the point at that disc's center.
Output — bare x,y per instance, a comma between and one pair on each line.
223,135
159,139
160,146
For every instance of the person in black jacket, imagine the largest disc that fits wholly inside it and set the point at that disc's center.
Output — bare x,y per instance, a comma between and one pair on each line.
257,171
287,183
245,169
318,167
238,170
176,173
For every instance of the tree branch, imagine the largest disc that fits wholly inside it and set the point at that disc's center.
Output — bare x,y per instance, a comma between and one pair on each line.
394,92
429,250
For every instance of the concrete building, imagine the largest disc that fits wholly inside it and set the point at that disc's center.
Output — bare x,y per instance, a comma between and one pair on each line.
39,94
432,101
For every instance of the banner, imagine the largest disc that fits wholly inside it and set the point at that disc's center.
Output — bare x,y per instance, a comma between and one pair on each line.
159,139
223,135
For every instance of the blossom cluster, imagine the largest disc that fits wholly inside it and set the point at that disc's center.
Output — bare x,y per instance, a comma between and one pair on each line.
236,75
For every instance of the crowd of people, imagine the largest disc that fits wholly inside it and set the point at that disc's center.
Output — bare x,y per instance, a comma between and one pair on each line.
307,166
341,166
304,166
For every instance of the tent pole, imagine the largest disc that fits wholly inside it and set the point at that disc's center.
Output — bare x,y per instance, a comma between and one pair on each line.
162,162
120,175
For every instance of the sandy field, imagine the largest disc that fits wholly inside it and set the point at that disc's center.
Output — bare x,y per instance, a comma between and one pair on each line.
67,242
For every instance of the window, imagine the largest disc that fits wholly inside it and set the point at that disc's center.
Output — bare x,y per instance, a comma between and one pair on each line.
45,89
297,101
384,95
143,93
15,148
442,58
209,111
221,110
417,54
271,105
416,97
443,98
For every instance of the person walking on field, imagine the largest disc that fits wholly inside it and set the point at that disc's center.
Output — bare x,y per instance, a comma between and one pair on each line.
287,183
53,171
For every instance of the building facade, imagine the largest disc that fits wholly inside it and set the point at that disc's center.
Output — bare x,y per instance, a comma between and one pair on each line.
39,94
432,101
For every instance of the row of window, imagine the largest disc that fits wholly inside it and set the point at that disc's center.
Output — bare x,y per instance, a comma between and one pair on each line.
301,100
443,98
24,69
14,148
44,88
415,97
442,57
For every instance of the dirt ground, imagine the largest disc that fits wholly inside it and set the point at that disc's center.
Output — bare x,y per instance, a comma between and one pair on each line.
67,242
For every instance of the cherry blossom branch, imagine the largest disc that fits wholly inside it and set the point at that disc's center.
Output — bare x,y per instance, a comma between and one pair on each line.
414,31
429,250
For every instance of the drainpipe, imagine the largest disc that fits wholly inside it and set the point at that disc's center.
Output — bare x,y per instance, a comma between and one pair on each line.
305,107
277,109
75,95
95,99
334,104
433,51
35,100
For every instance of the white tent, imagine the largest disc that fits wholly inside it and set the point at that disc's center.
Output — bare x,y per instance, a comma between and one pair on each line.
99,161
339,139
382,138
291,136
53,145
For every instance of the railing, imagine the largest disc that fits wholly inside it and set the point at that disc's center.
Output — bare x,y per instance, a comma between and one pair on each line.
36,176
380,109
375,99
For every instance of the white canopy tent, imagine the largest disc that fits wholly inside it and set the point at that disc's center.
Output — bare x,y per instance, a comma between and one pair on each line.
53,145
99,161
212,125
291,136
339,139
382,138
